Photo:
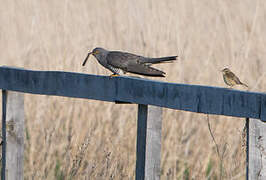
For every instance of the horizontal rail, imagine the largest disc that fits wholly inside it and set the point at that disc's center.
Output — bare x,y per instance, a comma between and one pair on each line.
194,98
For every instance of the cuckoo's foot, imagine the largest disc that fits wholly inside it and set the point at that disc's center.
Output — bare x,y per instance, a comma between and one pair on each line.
114,75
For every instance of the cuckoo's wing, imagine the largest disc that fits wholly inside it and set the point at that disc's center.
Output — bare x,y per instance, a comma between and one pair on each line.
131,63
121,59
146,70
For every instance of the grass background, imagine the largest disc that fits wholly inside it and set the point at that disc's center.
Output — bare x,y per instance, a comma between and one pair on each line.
81,139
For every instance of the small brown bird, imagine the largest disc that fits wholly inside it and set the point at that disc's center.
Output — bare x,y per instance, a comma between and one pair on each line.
230,78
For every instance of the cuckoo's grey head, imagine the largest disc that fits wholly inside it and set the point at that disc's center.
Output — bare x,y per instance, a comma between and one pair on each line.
97,52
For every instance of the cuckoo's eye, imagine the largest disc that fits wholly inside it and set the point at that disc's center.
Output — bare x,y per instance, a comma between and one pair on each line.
95,52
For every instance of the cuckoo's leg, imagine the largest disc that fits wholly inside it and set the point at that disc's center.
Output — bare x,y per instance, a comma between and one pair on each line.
113,75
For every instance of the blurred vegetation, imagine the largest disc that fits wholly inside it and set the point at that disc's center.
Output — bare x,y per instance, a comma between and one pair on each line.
86,139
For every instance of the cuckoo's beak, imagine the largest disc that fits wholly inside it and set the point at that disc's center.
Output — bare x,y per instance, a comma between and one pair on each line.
83,64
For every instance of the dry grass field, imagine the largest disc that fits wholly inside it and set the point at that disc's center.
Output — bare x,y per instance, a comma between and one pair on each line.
85,139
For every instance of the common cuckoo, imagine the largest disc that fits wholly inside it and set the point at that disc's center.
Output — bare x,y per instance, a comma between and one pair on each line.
121,62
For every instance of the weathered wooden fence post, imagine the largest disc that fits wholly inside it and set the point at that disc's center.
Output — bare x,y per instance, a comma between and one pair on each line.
13,145
256,149
4,99
148,142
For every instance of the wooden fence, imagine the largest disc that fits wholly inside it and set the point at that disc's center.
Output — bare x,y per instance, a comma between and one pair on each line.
151,97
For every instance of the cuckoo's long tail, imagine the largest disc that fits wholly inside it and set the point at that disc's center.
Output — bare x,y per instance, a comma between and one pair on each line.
161,60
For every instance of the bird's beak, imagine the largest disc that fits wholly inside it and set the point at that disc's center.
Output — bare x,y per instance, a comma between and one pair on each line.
84,62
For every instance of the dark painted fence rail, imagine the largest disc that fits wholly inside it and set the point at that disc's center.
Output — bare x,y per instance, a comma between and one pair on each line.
201,99
148,94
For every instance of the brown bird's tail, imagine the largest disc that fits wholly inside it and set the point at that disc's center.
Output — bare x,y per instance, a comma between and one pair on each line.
244,84
160,60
